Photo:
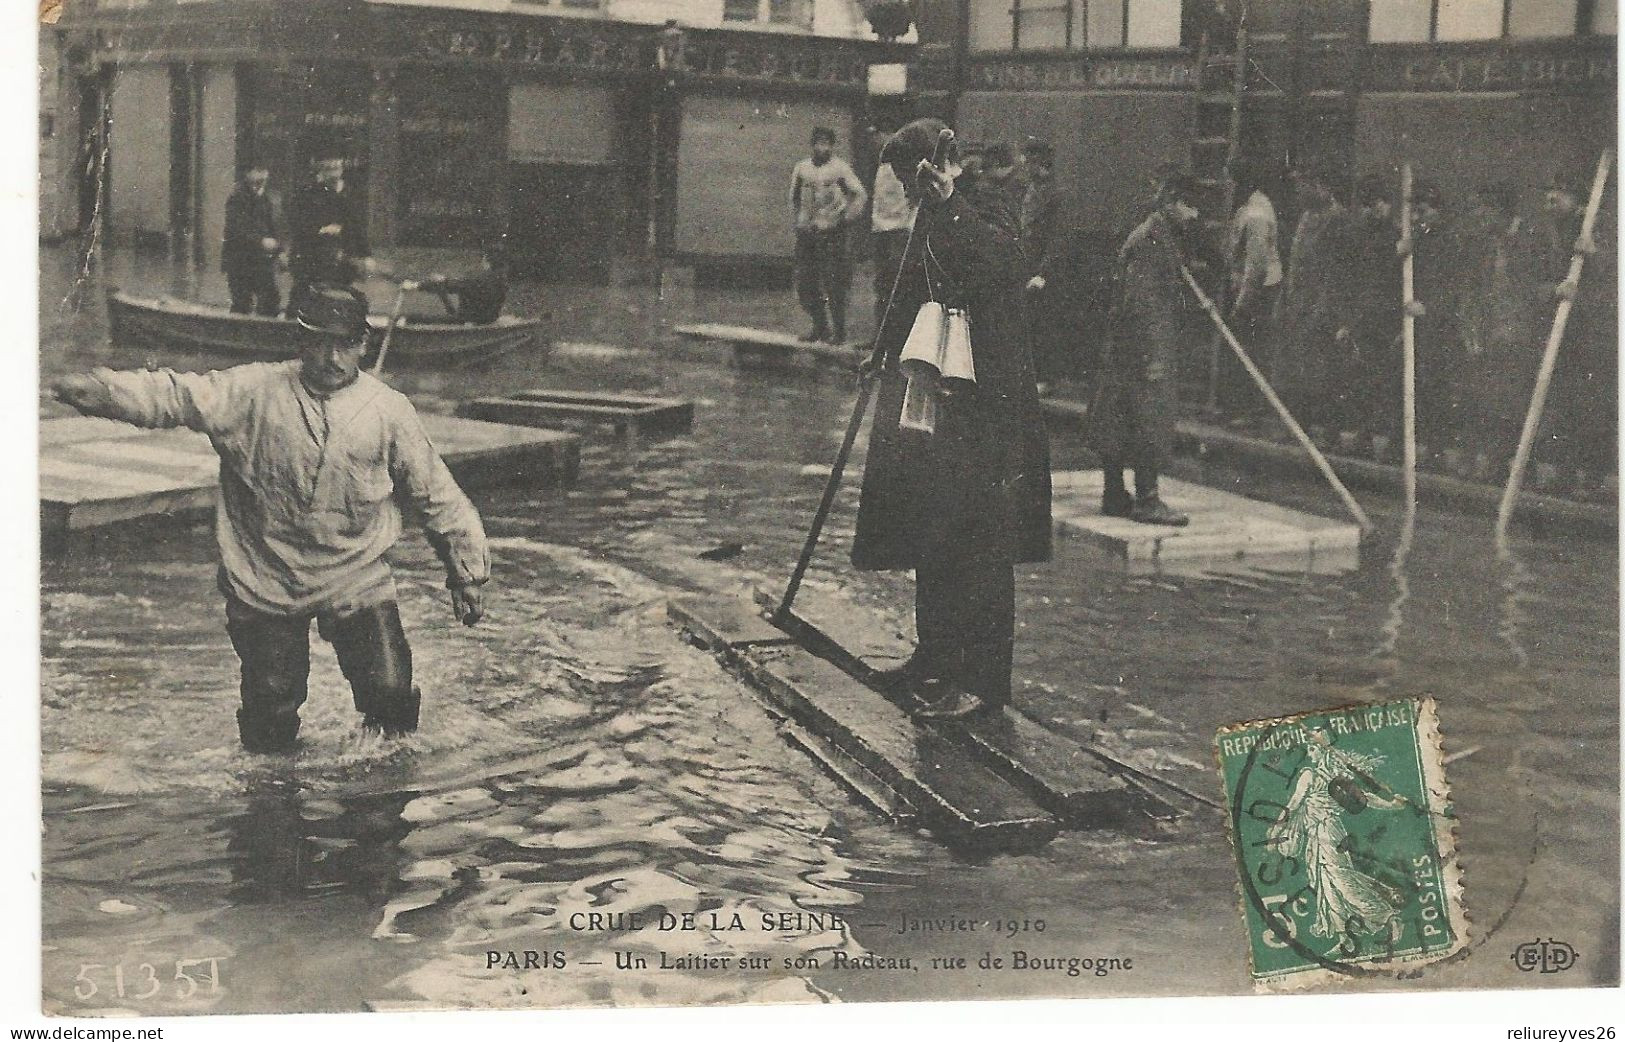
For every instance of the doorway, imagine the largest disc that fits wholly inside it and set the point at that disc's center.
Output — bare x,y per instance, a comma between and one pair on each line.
562,221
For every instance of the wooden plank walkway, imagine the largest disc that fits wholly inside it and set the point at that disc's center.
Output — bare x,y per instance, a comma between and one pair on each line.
95,473
1276,457
1083,785
1007,781
631,416
1225,529
766,345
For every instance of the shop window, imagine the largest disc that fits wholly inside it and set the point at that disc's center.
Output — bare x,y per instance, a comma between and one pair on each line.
1421,21
991,25
1470,19
1400,21
740,10
1153,23
1042,25
1605,18
1049,25
1544,18
789,12
1106,22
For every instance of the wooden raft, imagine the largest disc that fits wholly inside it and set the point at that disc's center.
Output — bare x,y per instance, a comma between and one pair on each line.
1224,528
765,345
631,416
95,472
1004,783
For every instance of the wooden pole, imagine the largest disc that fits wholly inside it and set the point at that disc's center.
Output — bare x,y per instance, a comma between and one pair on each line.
1343,493
1408,381
867,381
389,330
1548,361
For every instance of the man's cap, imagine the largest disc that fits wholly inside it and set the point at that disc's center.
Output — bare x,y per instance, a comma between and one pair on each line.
332,310
913,142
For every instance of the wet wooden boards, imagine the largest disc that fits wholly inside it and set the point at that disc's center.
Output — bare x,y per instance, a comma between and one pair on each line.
630,415
1225,529
765,345
95,473
1083,786
865,741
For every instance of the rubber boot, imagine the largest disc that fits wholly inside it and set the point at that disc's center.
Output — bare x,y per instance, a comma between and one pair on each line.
1149,509
1115,500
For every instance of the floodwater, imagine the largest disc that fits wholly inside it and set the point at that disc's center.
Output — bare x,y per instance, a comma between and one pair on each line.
577,757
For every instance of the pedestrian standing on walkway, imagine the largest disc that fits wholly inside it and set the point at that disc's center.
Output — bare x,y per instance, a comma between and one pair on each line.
963,505
251,245
329,234
1580,447
1442,276
316,461
1255,279
1504,313
1369,332
1305,362
825,199
1131,423
1053,241
891,216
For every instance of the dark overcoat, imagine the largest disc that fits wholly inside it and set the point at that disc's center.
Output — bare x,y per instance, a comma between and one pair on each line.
250,219
321,257
1311,307
1136,402
979,485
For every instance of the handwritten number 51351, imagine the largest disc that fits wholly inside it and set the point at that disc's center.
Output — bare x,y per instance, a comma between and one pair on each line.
145,983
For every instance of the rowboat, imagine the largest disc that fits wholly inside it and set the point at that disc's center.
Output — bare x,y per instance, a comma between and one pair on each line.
165,323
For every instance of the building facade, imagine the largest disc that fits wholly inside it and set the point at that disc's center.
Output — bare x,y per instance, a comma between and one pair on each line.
586,132
1468,91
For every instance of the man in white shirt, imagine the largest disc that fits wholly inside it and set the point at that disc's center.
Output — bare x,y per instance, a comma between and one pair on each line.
825,197
891,217
1255,277
316,460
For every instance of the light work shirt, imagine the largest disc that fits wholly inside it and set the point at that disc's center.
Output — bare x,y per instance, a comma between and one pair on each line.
1255,252
825,196
311,487
892,211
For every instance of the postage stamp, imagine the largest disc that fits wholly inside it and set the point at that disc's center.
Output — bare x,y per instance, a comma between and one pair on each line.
1345,842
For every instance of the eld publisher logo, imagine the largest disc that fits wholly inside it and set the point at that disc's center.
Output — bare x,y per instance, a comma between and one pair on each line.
1550,956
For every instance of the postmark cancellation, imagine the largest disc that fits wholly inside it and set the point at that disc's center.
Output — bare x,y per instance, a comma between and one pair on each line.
1345,844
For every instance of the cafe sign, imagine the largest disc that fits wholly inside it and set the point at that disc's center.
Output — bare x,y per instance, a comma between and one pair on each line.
1498,71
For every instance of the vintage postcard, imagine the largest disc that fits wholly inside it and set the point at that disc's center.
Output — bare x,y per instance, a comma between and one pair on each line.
579,503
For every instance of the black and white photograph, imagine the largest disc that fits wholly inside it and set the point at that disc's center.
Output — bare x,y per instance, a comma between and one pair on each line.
560,504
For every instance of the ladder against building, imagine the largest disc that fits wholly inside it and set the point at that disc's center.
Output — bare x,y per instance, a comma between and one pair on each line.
1221,83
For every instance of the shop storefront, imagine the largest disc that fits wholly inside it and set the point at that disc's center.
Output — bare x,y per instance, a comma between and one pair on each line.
554,134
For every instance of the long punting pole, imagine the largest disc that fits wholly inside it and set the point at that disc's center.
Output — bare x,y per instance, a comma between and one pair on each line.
1281,410
1548,362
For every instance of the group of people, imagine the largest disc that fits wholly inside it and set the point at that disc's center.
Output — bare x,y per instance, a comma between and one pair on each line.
1489,273
321,238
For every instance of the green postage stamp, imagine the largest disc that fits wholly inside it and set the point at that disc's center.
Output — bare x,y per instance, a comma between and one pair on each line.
1344,841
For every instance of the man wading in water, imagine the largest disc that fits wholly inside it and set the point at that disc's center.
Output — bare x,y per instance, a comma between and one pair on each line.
314,455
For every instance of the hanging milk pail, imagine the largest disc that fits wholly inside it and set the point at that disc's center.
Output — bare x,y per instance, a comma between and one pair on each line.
923,348
956,362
